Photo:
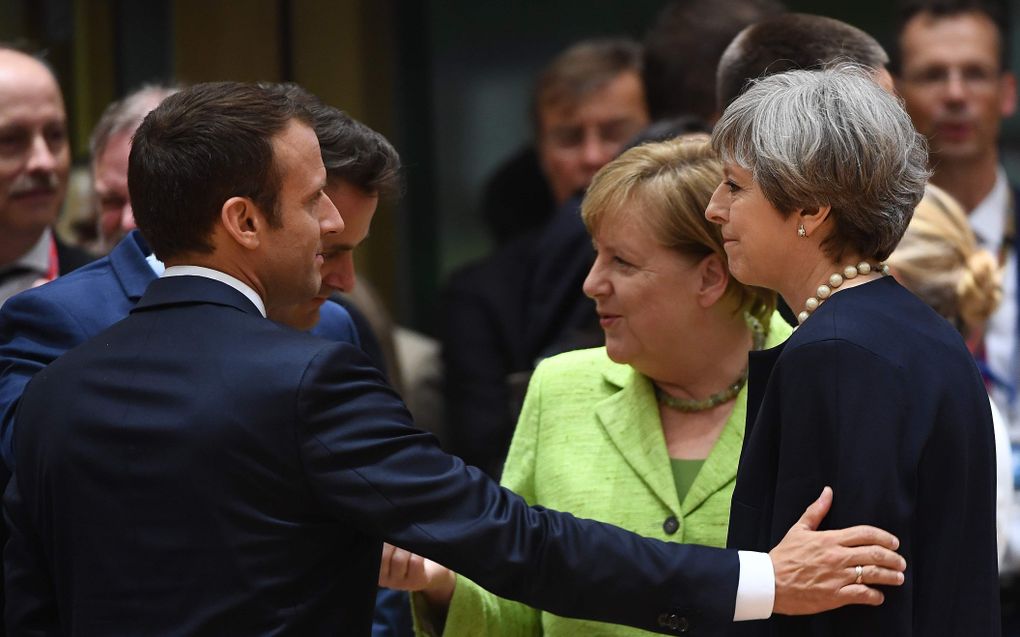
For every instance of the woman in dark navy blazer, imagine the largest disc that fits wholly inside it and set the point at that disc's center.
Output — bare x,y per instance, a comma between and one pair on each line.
874,394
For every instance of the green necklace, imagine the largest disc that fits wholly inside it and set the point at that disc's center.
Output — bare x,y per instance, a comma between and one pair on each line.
688,405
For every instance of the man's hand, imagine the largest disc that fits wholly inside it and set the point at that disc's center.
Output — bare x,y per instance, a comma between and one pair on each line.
408,571
817,571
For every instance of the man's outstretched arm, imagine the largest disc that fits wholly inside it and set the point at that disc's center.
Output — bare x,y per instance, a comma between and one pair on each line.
808,572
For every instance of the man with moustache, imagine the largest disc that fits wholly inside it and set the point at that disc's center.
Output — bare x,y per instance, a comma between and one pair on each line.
41,324
34,163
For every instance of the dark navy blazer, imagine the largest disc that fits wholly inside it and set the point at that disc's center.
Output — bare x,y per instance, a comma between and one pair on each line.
43,323
40,324
877,396
199,470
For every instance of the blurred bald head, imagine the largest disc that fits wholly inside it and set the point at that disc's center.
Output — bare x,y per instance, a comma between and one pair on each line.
34,154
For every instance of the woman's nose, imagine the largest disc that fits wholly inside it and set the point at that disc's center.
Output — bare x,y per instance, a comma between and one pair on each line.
718,207
594,284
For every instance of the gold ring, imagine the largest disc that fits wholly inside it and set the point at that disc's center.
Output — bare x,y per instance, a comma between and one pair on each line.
859,570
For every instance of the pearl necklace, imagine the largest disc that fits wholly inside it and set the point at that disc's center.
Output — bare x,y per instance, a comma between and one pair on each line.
688,405
824,291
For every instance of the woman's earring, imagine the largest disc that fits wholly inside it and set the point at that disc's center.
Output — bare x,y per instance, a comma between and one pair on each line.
801,232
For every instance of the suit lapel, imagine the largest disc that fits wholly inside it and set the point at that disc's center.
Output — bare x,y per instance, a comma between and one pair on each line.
630,418
720,468
130,267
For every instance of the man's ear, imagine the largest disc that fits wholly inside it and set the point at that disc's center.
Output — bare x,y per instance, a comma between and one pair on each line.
243,221
813,218
714,279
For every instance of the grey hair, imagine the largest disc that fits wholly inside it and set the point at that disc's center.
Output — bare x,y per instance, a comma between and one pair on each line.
831,137
126,114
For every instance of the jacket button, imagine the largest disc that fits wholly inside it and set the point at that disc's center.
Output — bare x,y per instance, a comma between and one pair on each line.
674,622
671,525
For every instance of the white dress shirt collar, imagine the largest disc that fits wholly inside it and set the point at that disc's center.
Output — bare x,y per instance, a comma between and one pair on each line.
222,277
988,219
37,258
29,269
156,265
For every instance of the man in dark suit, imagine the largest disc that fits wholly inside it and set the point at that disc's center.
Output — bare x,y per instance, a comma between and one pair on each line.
42,323
588,101
34,165
196,469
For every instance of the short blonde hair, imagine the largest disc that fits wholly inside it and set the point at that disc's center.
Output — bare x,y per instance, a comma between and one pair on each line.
939,260
673,182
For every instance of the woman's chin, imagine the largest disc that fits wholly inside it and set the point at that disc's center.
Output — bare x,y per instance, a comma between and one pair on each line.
616,353
743,274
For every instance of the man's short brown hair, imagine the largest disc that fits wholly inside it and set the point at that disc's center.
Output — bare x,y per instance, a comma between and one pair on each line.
198,148
790,42
581,70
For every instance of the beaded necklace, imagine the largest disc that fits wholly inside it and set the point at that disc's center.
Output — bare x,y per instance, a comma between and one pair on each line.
825,290
688,405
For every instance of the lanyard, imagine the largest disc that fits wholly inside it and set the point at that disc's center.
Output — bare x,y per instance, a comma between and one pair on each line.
53,270
993,380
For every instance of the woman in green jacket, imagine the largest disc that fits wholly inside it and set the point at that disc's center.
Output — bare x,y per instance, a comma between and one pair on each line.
646,432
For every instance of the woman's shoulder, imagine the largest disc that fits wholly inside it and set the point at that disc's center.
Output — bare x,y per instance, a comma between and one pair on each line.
886,320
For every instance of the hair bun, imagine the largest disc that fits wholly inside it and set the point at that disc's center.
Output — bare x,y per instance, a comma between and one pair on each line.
979,289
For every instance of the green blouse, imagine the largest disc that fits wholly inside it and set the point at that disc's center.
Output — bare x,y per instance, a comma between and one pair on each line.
684,474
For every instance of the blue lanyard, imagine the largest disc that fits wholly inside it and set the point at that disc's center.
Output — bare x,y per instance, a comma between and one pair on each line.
994,380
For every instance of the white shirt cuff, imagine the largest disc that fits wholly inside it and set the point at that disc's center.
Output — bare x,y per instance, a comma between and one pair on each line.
756,587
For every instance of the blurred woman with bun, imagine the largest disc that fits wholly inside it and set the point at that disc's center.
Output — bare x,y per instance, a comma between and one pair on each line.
939,260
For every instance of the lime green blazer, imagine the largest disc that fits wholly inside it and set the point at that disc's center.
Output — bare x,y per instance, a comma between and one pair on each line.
589,441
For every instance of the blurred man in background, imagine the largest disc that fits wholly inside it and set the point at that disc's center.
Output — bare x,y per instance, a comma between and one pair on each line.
34,164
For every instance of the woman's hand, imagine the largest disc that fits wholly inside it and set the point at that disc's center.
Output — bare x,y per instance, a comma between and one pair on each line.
408,571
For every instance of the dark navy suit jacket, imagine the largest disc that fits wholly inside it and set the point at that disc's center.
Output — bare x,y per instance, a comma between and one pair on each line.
199,470
43,323
878,397
40,324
